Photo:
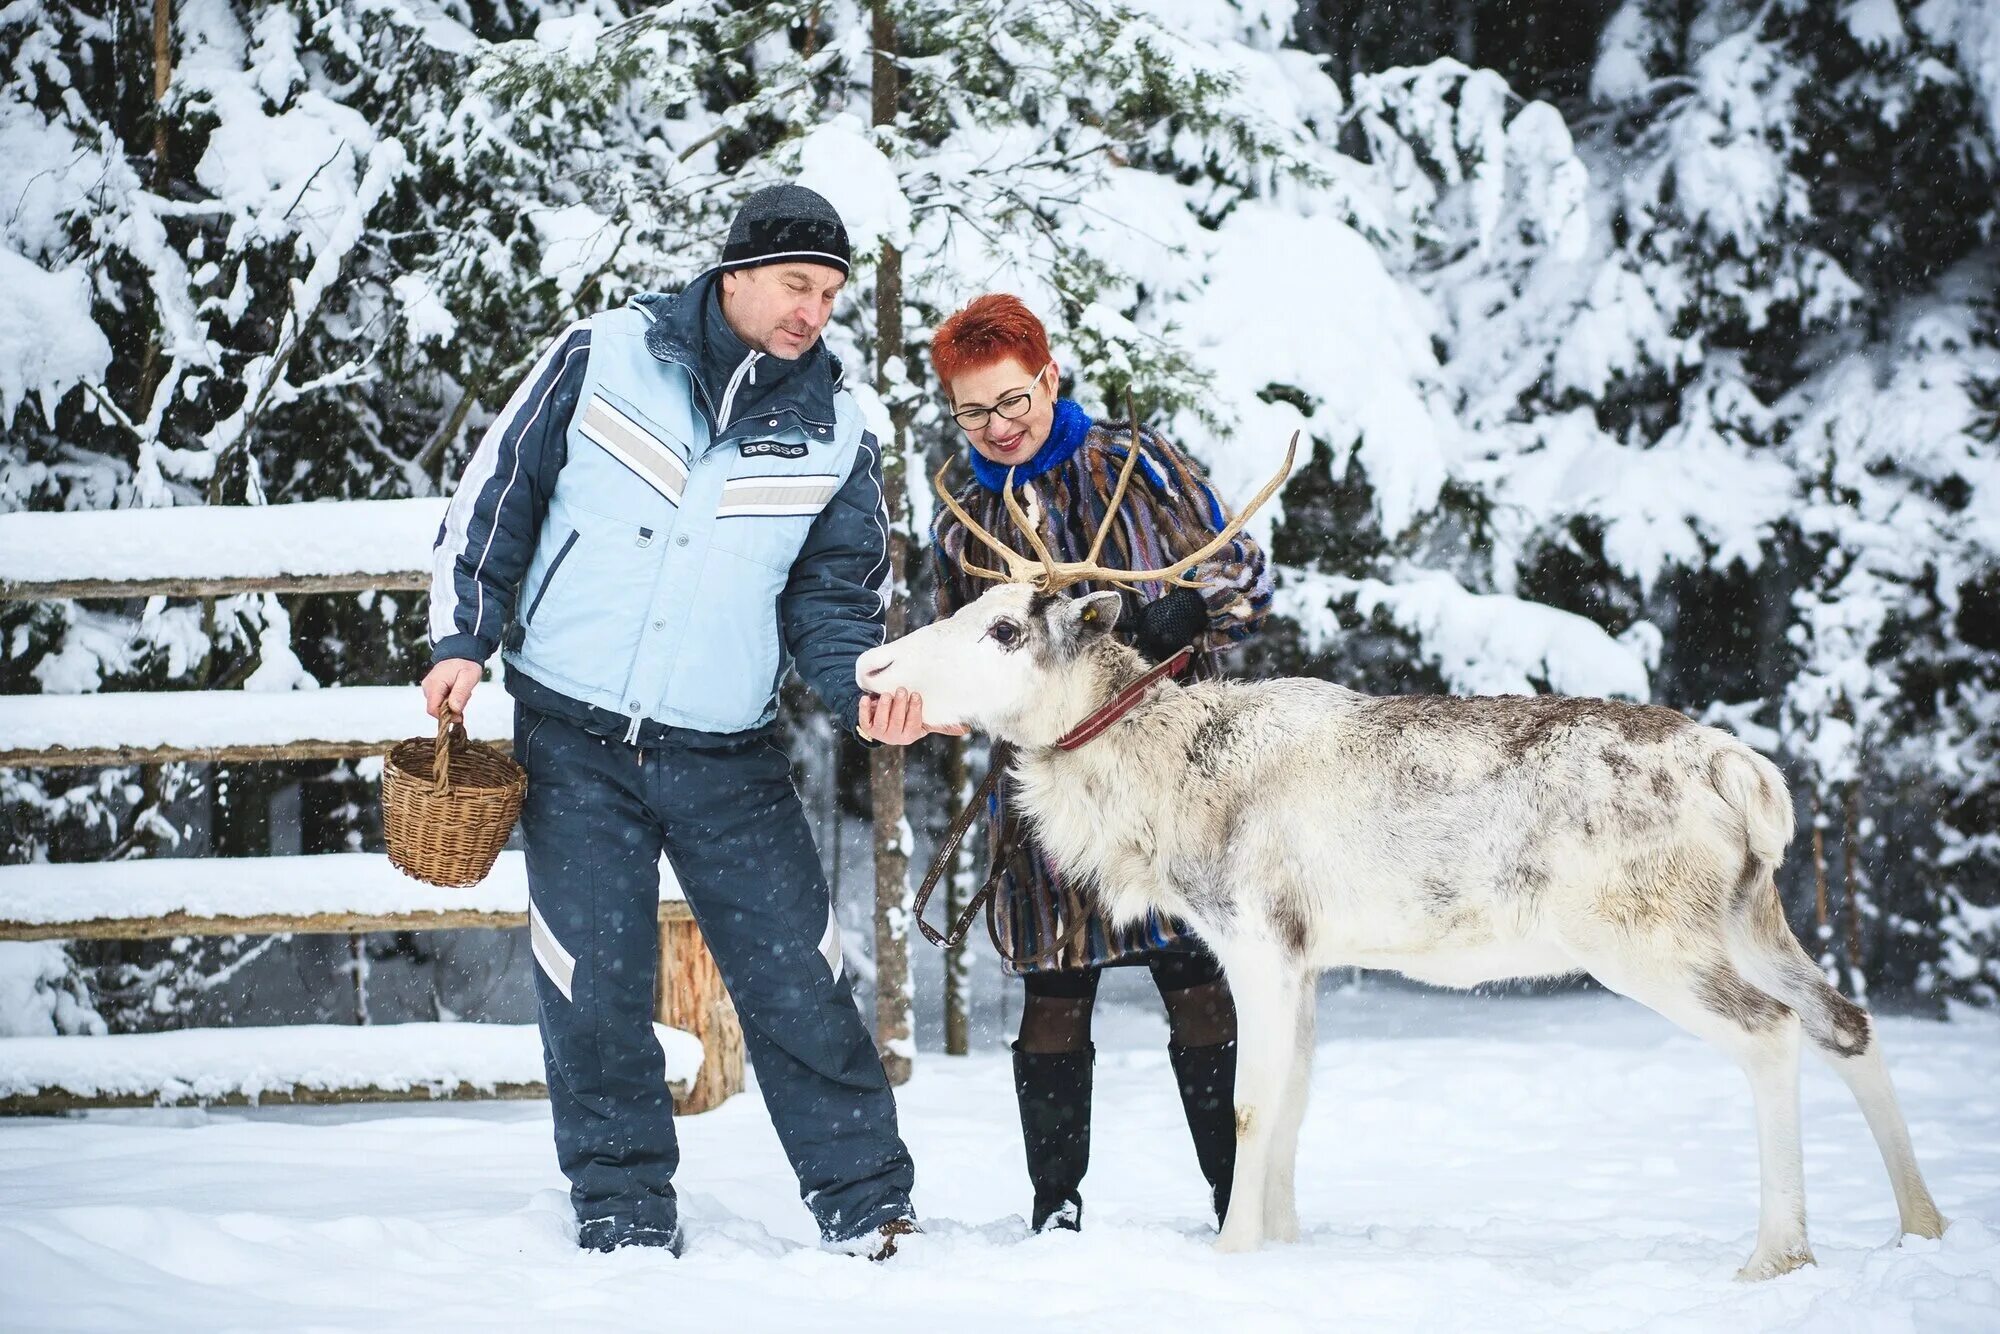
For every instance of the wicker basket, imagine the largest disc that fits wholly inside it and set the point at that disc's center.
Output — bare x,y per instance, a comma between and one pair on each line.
448,805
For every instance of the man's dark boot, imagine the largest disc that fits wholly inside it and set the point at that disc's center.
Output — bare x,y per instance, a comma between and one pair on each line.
1207,1078
613,1234
1054,1092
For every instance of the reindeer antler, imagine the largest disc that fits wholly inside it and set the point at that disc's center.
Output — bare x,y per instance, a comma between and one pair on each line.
1124,480
1020,570
1082,570
1052,575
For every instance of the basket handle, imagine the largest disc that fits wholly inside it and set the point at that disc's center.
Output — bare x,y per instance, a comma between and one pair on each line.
450,730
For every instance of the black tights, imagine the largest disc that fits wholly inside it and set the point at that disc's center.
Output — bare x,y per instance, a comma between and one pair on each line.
1200,1010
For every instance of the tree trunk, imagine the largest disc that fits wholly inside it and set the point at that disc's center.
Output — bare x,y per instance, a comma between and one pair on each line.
1850,837
892,897
163,75
689,995
885,778
958,887
1820,929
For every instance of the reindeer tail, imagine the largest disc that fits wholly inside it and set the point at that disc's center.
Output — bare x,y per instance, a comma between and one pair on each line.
1756,790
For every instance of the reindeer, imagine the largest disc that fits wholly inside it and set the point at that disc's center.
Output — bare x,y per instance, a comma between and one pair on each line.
1300,826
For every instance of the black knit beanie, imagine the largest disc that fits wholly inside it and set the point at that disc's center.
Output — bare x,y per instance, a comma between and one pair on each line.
786,222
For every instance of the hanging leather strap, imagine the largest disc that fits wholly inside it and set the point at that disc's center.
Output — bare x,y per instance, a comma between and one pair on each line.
947,849
986,897
1023,962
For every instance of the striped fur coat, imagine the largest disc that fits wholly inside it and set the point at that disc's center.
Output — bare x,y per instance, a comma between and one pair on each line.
1168,509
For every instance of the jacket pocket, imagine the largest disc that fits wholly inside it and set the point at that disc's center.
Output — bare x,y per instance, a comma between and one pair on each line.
654,423
550,577
766,519
632,468
585,621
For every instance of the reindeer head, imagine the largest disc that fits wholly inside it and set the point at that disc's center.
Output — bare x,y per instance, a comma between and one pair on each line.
1017,663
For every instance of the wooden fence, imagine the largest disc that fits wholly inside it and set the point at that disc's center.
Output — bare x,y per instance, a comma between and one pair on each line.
186,553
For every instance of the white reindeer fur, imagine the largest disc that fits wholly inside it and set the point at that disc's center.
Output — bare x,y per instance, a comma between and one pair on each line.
1299,826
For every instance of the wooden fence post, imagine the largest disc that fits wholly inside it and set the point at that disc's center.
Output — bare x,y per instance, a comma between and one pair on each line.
693,999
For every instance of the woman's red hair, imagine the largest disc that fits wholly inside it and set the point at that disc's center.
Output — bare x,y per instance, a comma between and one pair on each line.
990,329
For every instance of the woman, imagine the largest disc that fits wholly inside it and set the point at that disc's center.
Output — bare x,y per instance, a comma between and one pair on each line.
993,361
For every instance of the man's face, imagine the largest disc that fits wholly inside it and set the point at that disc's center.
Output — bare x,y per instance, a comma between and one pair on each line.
781,309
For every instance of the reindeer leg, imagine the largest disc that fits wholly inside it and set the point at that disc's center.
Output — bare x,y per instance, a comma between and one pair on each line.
1867,1078
1715,1002
1281,1214
1772,1064
1267,986
1844,1036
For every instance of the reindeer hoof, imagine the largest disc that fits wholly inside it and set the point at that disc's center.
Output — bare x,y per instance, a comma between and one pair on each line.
1238,1243
1763,1266
1930,1226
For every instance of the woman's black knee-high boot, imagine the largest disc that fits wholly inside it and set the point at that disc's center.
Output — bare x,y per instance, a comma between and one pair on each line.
1207,1078
1054,1092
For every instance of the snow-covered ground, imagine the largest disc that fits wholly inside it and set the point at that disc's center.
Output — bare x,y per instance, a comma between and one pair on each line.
1468,1164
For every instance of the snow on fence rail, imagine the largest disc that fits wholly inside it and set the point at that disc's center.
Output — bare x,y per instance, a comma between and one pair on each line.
693,1017
295,1063
200,551
345,546
316,1063
152,727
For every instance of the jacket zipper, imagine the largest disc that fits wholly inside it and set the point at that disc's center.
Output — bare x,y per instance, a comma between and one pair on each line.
749,368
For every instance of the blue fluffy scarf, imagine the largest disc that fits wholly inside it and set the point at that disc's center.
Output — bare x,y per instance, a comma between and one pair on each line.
1071,425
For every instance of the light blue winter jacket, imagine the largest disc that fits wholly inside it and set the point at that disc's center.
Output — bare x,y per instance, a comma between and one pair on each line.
645,570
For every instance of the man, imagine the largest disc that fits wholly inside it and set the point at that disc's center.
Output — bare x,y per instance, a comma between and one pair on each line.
677,504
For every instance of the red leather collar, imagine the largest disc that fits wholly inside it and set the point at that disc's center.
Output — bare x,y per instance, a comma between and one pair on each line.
1121,704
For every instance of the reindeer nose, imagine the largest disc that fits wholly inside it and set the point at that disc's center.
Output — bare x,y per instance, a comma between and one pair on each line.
870,673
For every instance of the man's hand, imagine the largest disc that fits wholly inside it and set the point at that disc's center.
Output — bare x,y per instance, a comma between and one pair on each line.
451,679
898,719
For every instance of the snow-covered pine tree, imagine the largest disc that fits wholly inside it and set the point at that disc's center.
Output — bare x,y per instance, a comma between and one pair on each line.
1838,164
1888,449
1680,418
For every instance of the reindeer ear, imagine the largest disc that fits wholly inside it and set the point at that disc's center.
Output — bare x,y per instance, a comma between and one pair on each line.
1096,613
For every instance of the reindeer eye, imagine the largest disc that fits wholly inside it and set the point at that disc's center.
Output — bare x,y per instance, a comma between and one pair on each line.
1004,633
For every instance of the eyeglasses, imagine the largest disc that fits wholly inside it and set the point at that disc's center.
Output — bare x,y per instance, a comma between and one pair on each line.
1013,407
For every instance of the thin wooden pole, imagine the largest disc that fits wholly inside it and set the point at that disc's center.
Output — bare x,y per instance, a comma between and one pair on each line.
163,75
1821,931
1850,838
957,959
894,903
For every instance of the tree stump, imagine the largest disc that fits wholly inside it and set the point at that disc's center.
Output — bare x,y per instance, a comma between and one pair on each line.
691,997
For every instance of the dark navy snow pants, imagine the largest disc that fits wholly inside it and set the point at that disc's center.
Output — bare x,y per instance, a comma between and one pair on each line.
597,816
